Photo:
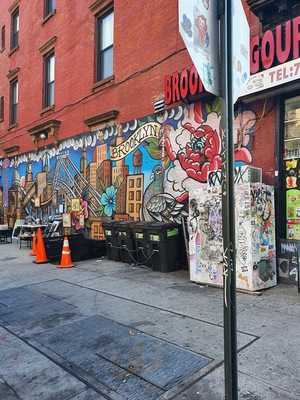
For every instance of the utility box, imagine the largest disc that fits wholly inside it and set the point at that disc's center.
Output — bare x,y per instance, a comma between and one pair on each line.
254,231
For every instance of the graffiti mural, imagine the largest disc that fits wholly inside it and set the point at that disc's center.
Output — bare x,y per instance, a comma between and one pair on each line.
142,169
205,231
255,236
288,260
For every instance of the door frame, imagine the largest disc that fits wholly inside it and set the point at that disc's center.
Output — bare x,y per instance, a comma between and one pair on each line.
280,193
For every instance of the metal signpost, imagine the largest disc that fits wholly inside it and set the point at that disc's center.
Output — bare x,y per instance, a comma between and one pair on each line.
200,22
228,208
235,36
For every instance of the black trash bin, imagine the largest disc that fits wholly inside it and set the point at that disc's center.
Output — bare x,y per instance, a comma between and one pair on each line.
97,248
140,239
125,241
79,247
111,238
77,243
53,247
163,243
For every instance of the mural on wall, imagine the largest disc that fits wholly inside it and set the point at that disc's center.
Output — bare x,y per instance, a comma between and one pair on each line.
143,169
255,236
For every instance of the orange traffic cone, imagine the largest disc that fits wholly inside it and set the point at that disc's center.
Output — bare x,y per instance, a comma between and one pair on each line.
66,260
41,256
33,250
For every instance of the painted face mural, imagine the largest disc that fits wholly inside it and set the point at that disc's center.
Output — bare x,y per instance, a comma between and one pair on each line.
143,169
201,26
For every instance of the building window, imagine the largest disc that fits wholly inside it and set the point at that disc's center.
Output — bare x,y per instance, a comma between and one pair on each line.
131,208
14,99
49,79
49,7
138,195
138,182
2,48
131,183
104,50
1,108
15,26
131,195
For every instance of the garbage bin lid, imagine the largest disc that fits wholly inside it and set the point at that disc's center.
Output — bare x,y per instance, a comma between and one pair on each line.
109,223
162,225
140,224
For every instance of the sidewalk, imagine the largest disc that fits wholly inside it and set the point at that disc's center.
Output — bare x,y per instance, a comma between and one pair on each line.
106,330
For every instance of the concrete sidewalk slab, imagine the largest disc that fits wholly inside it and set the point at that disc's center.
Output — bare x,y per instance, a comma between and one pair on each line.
170,308
88,395
174,327
158,362
33,318
128,359
27,375
208,306
212,388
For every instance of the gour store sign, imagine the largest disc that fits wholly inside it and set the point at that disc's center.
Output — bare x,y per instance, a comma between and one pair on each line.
274,57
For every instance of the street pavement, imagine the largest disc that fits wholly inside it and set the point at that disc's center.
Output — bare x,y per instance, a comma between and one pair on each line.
107,330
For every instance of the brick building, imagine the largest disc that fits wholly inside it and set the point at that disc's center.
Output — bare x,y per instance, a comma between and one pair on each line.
79,79
69,32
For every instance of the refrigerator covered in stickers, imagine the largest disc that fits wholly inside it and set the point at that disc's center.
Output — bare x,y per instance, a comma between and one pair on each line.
255,236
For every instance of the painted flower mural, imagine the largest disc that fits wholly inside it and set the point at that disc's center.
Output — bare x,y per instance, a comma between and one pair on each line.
108,200
194,147
202,153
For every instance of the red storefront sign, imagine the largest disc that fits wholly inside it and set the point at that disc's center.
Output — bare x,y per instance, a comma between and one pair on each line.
275,47
274,60
182,85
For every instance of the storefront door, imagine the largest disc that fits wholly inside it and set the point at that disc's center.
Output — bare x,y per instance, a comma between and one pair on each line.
292,167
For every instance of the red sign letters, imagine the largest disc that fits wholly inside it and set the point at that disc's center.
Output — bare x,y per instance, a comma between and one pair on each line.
181,85
276,47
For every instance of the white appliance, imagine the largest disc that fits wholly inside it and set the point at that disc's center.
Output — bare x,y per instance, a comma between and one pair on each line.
255,236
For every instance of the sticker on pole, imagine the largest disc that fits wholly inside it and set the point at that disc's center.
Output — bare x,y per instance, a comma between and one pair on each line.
199,28
240,49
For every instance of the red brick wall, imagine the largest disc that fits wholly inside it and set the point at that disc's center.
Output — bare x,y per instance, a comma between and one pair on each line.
264,141
147,46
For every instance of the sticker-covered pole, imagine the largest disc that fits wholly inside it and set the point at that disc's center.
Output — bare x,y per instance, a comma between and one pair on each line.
230,338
